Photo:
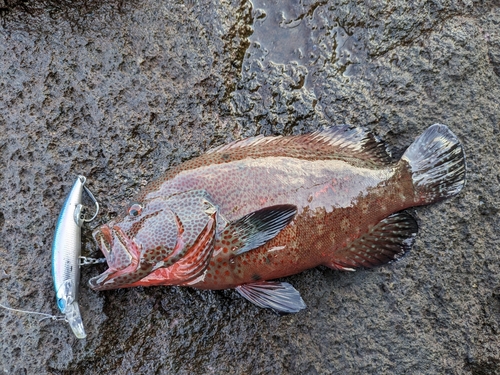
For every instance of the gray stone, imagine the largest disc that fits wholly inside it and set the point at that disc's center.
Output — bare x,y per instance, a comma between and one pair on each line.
121,92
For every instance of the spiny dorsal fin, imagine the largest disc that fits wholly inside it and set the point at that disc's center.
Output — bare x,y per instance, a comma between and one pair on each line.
247,142
255,229
353,141
387,241
341,141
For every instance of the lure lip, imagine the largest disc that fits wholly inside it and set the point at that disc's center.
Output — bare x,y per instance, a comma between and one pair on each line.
74,319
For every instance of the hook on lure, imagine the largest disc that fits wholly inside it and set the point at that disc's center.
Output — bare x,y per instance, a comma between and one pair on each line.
66,258
79,214
66,254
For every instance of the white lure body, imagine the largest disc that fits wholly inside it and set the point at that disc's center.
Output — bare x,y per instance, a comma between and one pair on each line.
66,251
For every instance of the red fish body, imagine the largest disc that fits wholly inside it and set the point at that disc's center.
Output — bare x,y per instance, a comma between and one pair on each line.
265,208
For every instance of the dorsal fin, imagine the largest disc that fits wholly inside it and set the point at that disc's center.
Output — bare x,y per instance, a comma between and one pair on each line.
338,142
247,142
353,141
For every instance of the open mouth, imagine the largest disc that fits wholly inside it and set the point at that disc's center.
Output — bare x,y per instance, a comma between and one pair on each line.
116,246
104,239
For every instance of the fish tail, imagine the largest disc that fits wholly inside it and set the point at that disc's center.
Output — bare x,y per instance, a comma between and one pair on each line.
437,164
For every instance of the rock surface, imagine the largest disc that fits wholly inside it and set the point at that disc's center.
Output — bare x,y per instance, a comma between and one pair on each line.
121,92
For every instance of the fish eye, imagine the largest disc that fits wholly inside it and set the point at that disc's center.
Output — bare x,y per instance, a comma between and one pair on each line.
135,210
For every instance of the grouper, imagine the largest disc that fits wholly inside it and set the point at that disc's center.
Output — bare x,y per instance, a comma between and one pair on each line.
263,208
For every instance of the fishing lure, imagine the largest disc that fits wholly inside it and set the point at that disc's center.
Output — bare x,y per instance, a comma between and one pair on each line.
66,250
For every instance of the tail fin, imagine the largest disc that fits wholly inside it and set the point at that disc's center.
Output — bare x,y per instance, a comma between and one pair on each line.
437,163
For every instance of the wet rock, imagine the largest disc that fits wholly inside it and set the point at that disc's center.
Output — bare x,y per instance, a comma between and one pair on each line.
121,92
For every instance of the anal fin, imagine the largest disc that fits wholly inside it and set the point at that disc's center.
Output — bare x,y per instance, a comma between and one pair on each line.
279,296
387,241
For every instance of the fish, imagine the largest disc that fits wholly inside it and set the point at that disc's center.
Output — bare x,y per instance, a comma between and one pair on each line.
263,208
66,251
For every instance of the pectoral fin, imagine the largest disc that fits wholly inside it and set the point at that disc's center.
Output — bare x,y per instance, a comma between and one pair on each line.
255,229
279,296
387,241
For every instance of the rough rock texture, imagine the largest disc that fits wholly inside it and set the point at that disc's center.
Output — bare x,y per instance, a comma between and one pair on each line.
119,92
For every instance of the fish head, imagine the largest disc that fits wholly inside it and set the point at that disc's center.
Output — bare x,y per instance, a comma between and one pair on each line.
149,235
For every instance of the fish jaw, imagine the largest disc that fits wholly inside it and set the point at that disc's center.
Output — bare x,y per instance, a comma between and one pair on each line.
122,256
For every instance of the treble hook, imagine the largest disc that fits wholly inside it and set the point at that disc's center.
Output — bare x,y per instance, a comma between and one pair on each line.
91,196
78,215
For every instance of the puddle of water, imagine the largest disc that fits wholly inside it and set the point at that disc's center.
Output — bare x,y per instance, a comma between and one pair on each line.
286,31
280,30
296,53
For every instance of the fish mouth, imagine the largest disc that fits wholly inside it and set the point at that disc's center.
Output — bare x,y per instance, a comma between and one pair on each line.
104,239
116,247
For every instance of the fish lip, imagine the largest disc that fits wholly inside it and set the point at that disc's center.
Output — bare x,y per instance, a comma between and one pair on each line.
98,282
104,240
108,237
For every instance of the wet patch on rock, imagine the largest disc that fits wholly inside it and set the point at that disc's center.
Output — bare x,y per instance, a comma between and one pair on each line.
293,32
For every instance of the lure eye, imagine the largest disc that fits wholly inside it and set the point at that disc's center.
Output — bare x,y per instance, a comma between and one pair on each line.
61,304
135,210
